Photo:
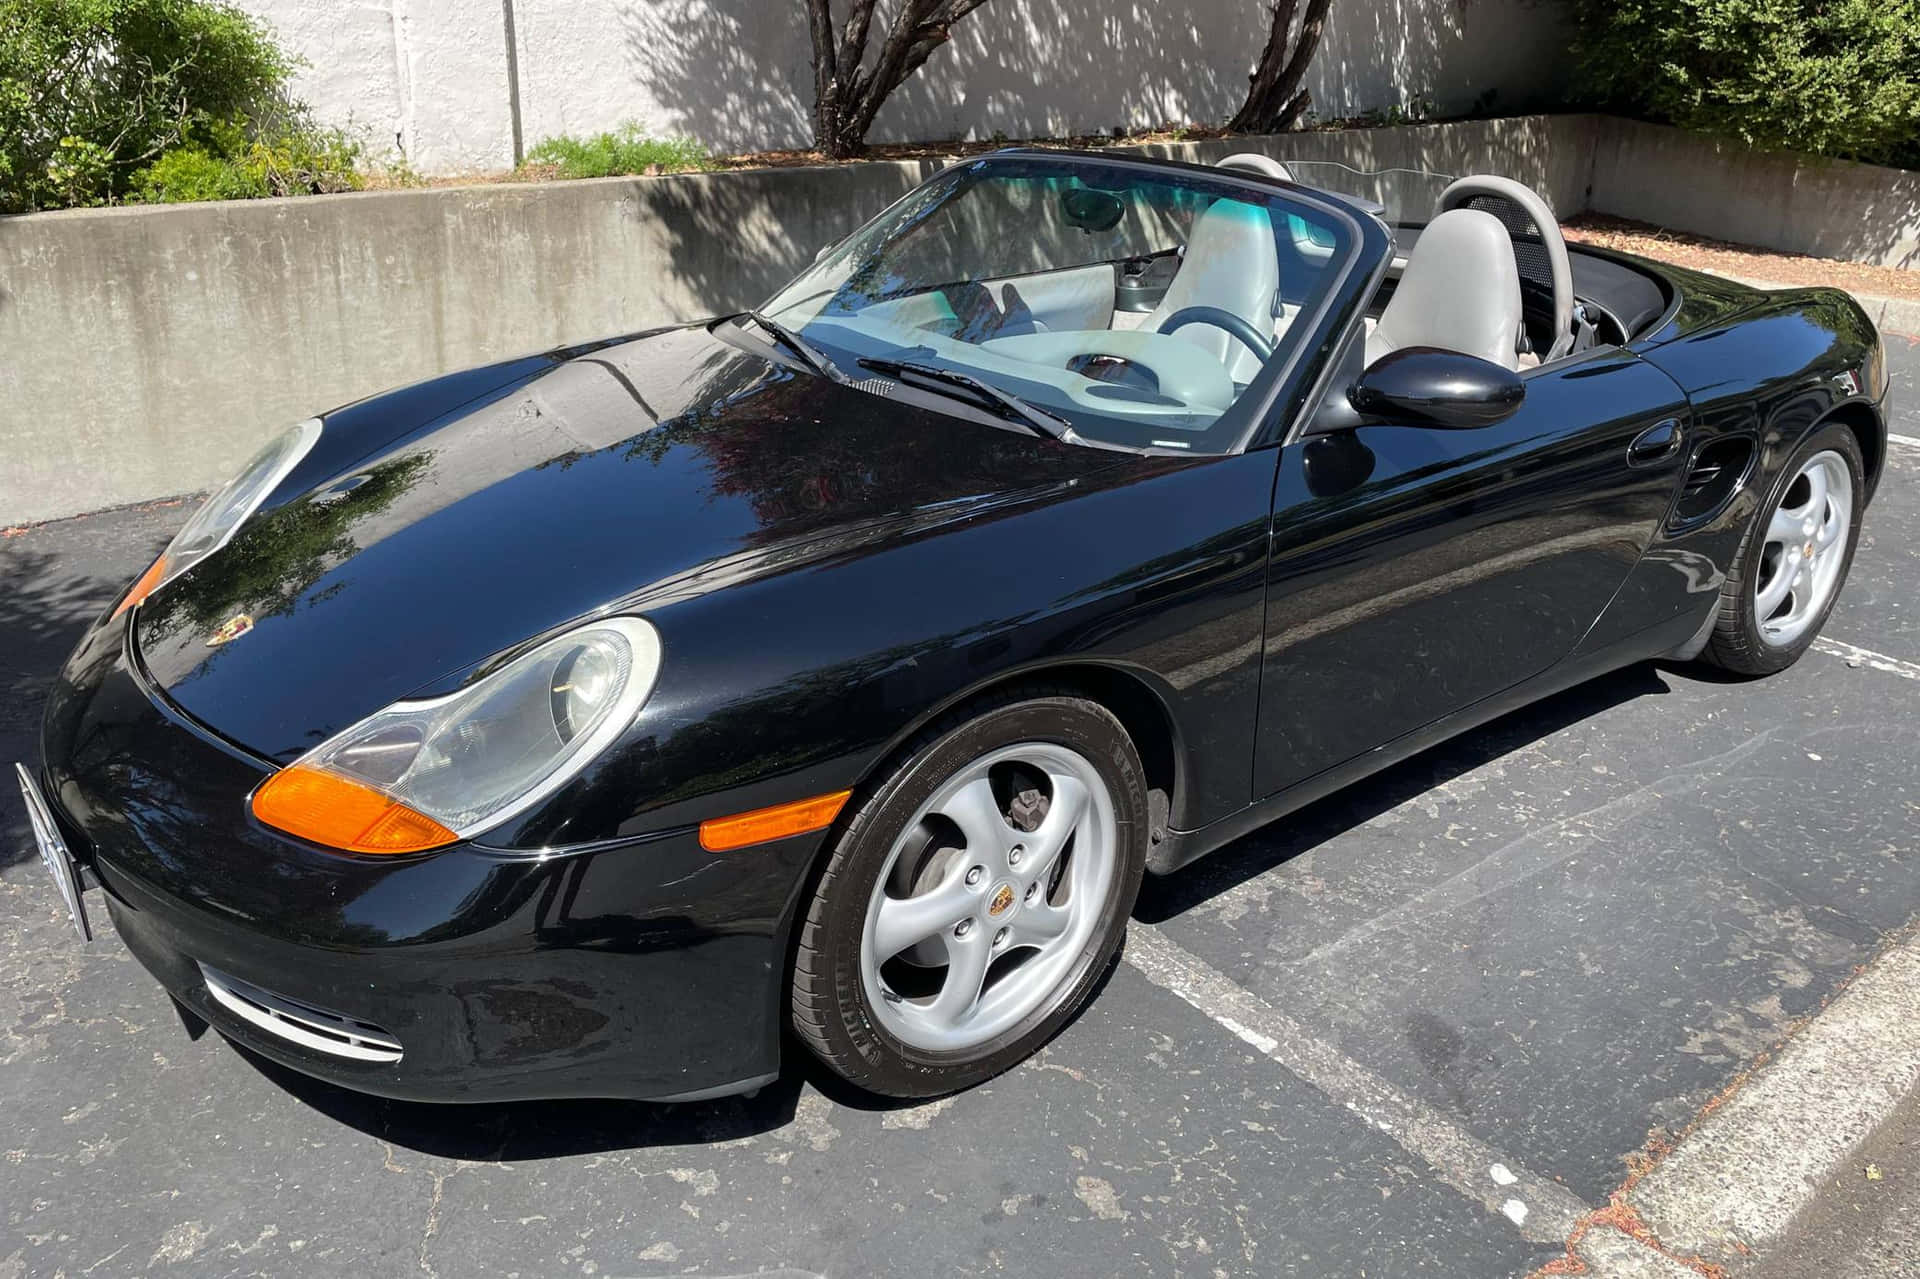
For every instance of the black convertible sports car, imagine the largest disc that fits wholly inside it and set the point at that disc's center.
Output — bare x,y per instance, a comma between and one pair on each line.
580,725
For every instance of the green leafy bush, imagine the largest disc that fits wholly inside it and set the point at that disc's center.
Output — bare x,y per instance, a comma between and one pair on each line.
282,154
626,150
105,100
1835,77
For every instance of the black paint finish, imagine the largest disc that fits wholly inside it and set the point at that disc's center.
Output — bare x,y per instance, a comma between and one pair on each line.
829,571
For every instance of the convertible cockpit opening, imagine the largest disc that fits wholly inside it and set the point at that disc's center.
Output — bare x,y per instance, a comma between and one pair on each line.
1142,306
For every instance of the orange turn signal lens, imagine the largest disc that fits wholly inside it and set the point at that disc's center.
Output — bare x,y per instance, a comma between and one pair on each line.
328,809
149,582
724,834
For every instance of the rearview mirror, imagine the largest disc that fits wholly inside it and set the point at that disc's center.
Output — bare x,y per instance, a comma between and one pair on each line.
1438,388
1092,211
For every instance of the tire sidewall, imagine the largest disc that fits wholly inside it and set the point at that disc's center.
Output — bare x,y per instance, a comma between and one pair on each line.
887,1063
1836,438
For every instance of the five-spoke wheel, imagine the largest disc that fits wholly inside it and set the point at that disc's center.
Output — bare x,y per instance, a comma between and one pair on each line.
990,891
1804,549
975,898
1788,573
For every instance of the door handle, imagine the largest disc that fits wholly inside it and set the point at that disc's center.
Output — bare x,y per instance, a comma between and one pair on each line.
1656,444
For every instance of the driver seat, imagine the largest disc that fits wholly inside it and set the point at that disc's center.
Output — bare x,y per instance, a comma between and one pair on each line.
1460,292
1230,262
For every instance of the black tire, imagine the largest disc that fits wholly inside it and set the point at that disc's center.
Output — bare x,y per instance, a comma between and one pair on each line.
1737,644
829,1002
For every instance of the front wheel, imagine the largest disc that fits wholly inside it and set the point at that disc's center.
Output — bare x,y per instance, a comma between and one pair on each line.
1790,569
972,903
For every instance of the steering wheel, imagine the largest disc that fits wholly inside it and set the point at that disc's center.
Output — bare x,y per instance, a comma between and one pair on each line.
1234,325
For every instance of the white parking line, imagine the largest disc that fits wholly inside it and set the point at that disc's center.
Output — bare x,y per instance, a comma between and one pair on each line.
1854,655
1542,1210
1907,440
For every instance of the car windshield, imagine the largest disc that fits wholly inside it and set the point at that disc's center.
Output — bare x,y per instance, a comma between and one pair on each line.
1133,305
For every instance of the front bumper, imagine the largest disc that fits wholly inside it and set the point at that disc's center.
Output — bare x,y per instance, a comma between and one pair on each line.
643,969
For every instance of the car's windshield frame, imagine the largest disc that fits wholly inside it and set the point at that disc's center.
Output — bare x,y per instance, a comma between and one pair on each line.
1247,420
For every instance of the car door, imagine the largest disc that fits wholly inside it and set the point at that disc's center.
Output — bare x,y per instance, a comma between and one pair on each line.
1417,570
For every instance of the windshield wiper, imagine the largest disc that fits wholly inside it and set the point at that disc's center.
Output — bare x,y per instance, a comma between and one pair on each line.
807,353
1002,403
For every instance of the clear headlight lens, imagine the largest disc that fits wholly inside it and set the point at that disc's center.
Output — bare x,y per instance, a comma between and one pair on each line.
421,774
215,523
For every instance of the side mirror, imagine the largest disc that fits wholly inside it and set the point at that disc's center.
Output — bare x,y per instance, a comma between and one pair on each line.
1438,388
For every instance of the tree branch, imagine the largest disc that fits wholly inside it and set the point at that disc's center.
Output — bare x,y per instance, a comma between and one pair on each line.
1275,99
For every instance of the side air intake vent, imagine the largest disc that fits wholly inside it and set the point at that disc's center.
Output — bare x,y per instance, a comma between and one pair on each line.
1715,476
298,1023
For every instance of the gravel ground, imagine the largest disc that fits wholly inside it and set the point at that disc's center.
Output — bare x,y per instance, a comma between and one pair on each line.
1722,257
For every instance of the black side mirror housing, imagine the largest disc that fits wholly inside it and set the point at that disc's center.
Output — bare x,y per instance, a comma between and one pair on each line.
1427,386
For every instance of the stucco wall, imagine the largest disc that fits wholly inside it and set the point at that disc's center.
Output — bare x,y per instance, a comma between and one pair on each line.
146,351
429,78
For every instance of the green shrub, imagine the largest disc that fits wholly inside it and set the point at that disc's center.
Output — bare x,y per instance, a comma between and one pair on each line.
1835,77
282,154
92,91
626,150
187,174
108,100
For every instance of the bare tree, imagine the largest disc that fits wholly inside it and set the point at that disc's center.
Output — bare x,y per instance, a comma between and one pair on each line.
848,90
1275,97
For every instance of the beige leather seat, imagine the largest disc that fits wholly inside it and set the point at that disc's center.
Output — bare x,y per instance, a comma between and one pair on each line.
1230,263
1460,292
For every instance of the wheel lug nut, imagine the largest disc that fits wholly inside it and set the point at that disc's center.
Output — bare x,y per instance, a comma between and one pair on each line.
962,928
975,875
1016,855
1000,938
1033,891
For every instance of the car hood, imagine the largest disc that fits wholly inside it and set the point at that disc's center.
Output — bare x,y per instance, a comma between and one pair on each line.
672,464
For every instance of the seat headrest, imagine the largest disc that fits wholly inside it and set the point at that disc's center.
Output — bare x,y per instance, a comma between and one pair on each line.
1460,292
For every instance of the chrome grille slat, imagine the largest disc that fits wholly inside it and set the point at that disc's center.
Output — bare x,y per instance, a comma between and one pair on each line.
303,1024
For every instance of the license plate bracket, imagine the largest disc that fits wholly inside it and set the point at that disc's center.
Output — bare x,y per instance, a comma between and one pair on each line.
54,854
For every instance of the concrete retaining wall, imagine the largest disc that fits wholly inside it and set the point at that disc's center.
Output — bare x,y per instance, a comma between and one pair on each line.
145,352
1777,199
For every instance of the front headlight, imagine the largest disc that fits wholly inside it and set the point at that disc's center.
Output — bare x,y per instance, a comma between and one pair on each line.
418,775
215,523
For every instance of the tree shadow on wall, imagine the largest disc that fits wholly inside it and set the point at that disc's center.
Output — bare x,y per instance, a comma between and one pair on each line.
736,73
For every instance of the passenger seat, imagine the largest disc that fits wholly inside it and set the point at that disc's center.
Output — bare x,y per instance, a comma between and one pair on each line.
1460,292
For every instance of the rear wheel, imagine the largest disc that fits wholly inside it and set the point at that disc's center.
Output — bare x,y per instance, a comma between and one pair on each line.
973,902
1790,569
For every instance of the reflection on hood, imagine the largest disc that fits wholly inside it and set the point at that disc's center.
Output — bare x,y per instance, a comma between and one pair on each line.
667,465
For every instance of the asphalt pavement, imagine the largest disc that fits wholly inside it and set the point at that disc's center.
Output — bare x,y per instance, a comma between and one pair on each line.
1416,1029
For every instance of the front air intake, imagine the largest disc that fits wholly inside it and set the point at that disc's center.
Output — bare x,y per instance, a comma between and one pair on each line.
298,1023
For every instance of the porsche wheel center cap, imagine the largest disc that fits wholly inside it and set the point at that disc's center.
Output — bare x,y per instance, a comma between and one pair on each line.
1001,901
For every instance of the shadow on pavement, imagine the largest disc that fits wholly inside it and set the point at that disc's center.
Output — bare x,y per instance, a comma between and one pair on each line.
512,1132
44,608
1323,820
507,1132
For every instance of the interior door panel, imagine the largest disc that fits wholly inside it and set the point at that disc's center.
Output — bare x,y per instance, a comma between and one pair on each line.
1074,299
1418,570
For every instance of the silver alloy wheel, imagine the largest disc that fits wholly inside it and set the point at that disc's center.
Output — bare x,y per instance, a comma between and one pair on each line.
999,912
1804,549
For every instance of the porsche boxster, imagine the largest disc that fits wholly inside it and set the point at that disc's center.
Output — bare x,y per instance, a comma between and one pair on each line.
828,674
